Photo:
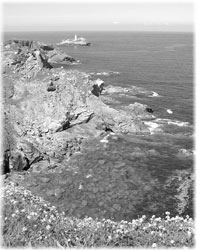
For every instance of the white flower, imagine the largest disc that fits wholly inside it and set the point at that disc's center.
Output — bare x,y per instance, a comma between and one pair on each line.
158,219
189,234
172,241
48,227
24,229
154,245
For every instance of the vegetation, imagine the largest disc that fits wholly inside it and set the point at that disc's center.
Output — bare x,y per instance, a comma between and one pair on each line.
28,220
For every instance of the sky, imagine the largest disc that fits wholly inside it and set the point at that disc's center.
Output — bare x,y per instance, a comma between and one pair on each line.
97,15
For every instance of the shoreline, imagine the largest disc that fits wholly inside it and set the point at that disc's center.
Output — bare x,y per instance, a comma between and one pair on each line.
55,113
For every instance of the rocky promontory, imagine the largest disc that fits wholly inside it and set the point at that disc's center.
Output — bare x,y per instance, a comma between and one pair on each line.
48,107
57,124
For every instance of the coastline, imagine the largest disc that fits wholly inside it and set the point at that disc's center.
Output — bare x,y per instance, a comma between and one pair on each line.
54,116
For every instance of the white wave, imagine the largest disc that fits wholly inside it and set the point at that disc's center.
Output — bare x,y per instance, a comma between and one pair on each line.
169,111
153,126
154,94
173,122
109,73
104,140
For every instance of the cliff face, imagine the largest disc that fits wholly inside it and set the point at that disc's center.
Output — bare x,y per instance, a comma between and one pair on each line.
27,58
49,114
55,108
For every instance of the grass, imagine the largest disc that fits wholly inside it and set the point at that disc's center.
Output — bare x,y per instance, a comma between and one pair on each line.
30,221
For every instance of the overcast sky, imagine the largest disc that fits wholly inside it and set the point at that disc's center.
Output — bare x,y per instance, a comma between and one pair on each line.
134,16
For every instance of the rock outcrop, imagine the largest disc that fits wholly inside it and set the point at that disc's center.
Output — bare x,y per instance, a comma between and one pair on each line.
56,108
27,58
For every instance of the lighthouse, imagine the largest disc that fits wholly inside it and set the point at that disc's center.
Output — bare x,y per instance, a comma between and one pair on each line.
75,37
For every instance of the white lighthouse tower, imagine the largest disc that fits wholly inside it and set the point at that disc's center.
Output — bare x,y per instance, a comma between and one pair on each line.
75,38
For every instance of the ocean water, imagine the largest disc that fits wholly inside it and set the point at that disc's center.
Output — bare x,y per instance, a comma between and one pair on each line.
159,62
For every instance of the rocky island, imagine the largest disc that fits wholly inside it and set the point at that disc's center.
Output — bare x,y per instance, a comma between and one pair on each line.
76,41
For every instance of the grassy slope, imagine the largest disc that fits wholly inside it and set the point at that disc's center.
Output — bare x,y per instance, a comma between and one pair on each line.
28,220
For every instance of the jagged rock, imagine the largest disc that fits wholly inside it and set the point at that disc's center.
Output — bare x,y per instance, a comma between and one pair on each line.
18,161
57,57
98,87
150,110
29,57
51,87
71,108
6,165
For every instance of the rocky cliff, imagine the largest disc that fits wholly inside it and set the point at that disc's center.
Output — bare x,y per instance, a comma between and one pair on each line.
56,125
49,111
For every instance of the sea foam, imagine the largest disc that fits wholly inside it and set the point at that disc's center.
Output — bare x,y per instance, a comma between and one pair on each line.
173,122
154,94
169,111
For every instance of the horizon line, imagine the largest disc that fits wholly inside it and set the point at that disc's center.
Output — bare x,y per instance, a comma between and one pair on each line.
74,30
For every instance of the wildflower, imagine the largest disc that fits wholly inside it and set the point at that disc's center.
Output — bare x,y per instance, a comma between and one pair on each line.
167,213
109,237
28,217
48,227
24,229
13,215
189,234
154,245
152,232
172,241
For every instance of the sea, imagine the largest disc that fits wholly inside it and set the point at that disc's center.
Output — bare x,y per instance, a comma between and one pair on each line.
159,62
